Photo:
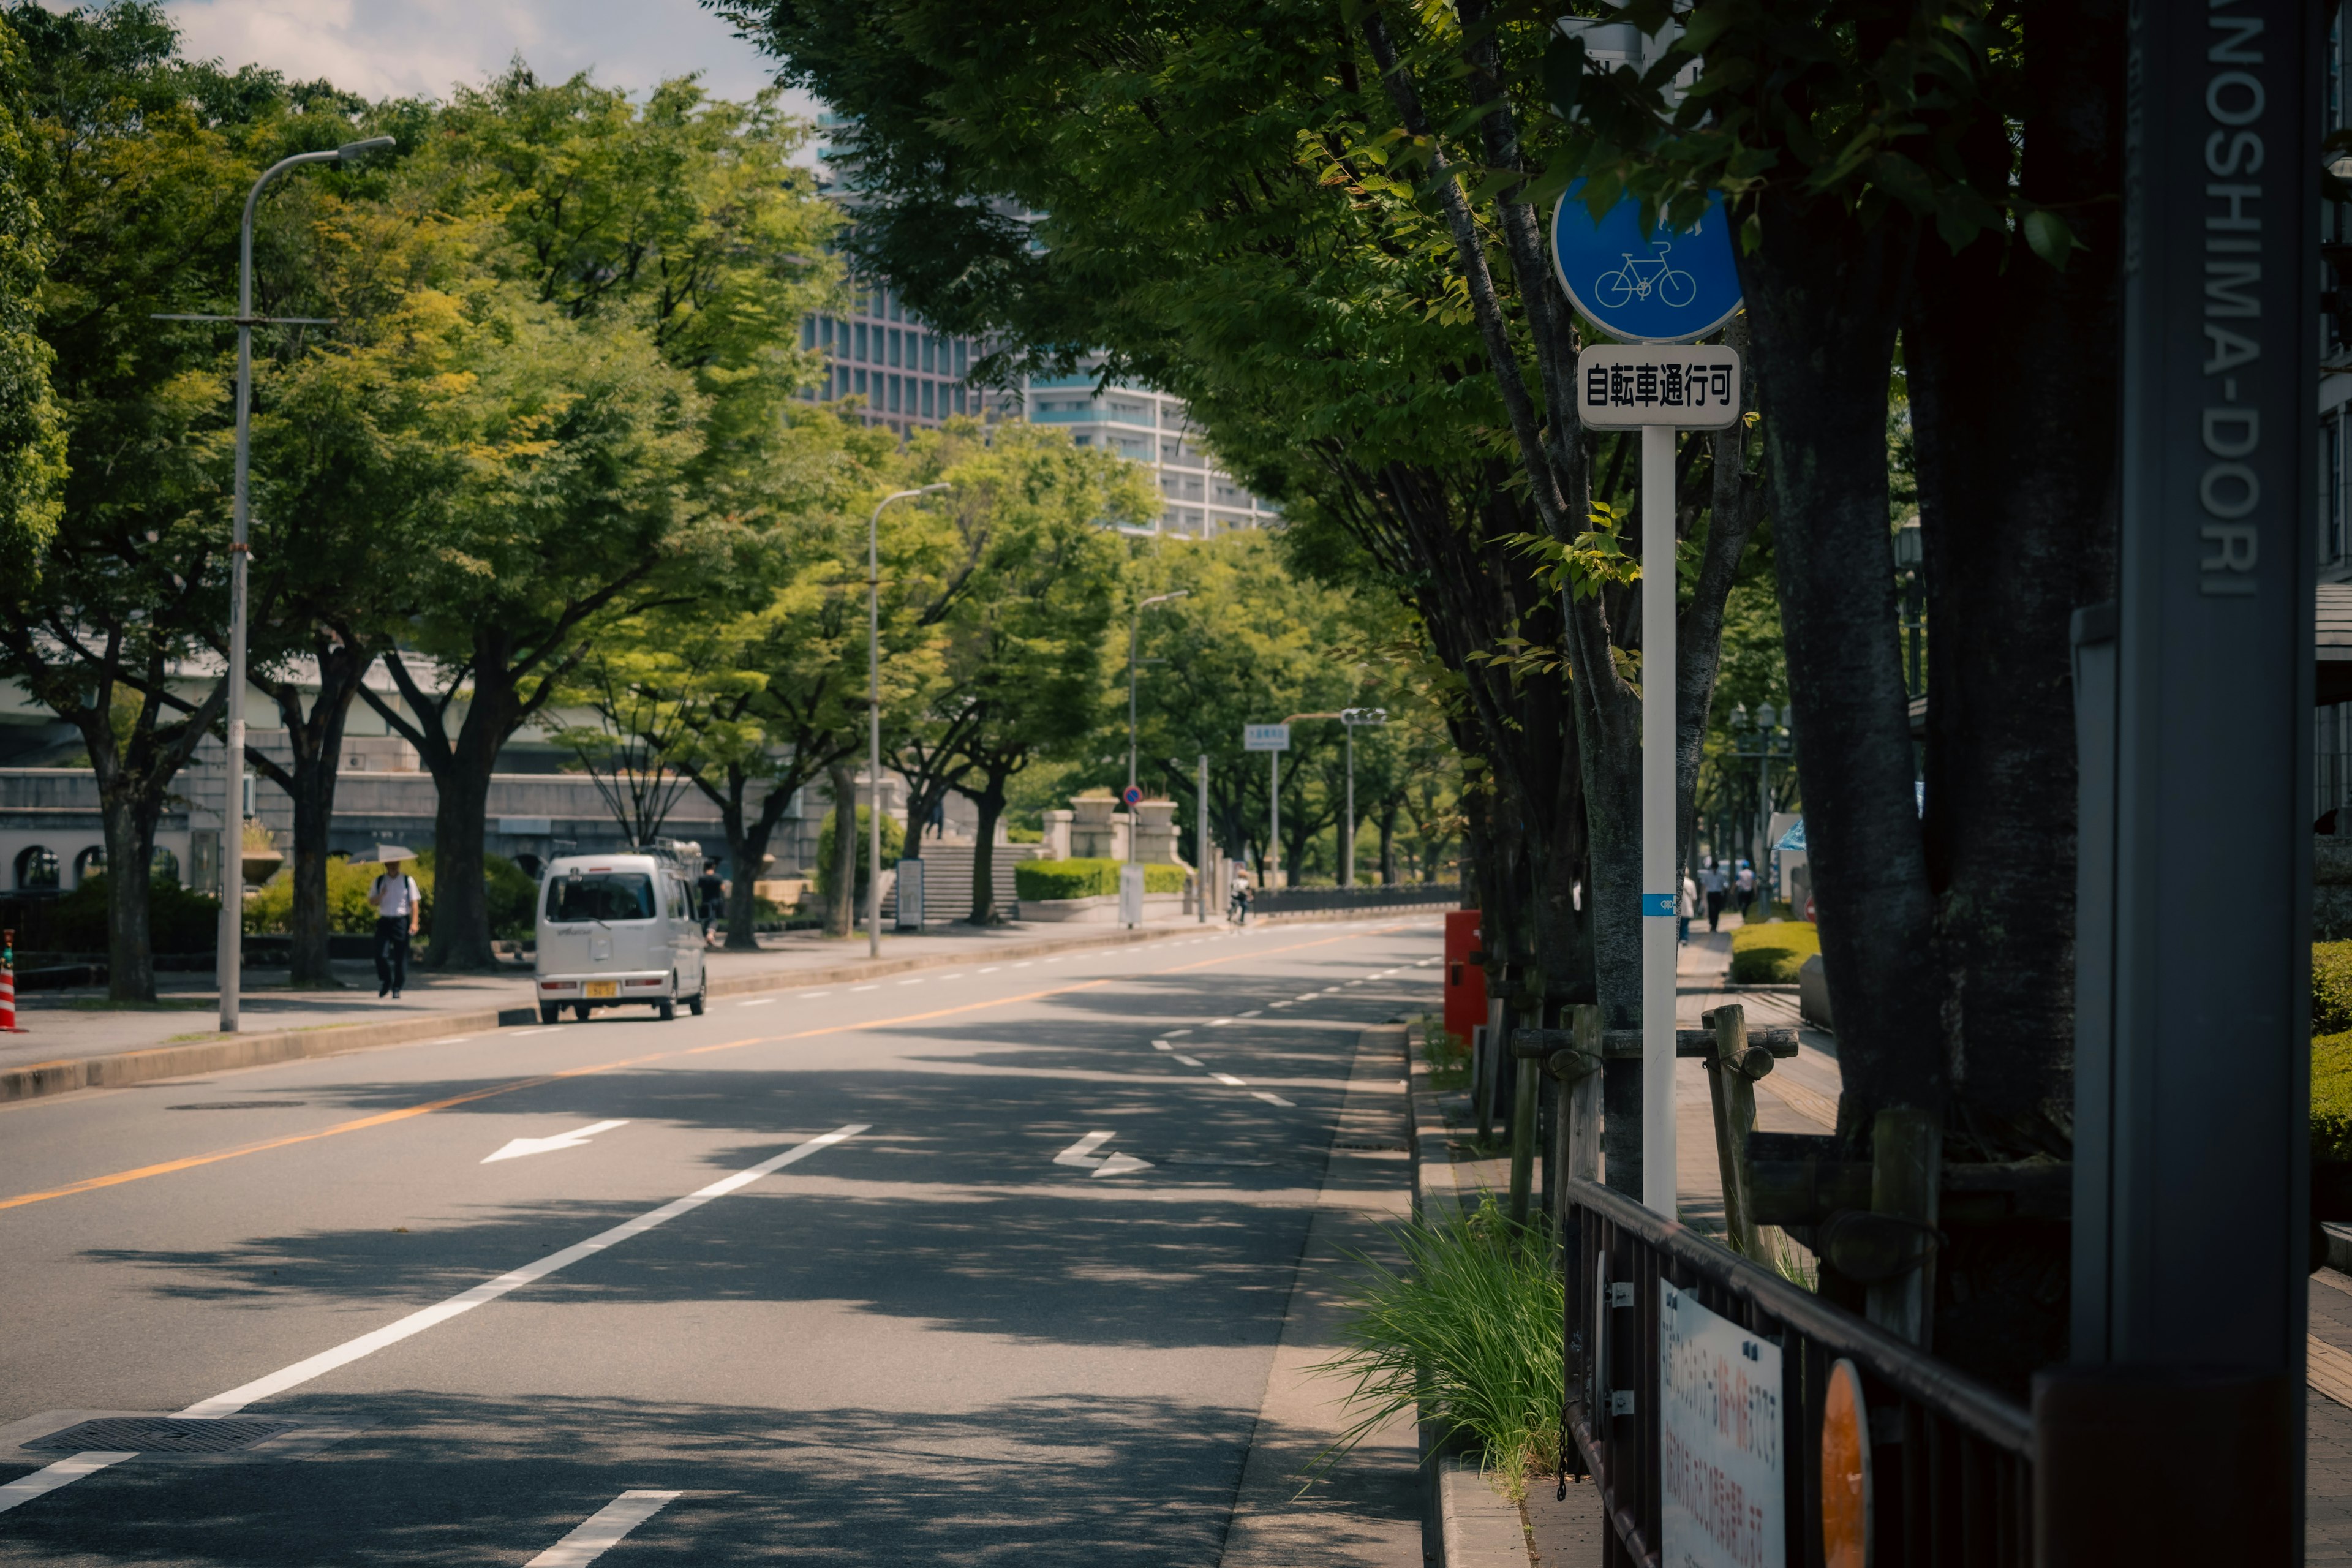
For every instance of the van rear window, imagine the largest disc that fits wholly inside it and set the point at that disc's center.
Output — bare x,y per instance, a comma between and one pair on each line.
600,896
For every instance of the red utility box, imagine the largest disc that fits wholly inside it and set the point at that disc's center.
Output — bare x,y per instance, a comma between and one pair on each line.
1465,975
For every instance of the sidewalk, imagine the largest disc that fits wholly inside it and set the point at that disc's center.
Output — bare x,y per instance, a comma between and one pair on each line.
80,1040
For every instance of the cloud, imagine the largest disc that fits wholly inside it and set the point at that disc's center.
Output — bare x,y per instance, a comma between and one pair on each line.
394,48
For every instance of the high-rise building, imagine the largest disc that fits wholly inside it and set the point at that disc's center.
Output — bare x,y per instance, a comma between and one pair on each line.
1198,499
910,375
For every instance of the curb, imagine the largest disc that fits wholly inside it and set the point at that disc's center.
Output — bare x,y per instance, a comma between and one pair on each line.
1474,1526
39,1080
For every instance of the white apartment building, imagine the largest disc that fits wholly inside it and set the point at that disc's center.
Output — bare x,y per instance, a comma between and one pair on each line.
1198,499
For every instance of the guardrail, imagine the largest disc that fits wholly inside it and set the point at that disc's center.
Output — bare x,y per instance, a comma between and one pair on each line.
1369,895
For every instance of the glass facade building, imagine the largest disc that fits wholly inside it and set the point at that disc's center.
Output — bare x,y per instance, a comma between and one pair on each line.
909,375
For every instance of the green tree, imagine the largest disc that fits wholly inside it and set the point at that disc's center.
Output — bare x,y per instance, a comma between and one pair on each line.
139,164
1021,675
663,255
32,429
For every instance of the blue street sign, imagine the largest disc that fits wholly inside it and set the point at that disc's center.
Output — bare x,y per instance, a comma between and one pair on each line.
1665,287
1131,795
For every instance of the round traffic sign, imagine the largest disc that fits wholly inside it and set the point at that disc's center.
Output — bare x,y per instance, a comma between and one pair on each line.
1130,795
1666,286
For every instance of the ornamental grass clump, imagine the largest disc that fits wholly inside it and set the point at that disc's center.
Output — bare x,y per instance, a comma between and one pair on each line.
1469,1330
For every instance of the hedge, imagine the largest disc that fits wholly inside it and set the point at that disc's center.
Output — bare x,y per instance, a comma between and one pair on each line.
1770,952
1045,879
512,895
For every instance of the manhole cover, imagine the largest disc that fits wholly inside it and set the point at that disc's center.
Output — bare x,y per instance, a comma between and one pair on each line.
161,1434
242,1105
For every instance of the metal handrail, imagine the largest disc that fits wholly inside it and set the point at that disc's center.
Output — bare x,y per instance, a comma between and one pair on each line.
1900,1365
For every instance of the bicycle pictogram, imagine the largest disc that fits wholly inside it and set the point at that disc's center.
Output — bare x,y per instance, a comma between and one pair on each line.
1642,276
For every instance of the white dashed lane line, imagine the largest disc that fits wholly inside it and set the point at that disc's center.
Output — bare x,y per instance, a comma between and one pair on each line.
1189,1061
760,1002
1172,1034
1229,1080
1273,1099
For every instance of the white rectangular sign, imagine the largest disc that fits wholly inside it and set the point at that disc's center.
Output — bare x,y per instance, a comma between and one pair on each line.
1624,385
1723,1504
1265,737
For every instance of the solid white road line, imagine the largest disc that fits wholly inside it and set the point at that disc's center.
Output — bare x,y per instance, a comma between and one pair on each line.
417,1322
602,1531
517,1148
1226,1078
24,1488
1272,1099
1190,1061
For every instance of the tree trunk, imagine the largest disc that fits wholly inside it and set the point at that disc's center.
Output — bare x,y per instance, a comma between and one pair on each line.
840,915
2011,367
317,739
1824,294
130,847
990,800
1388,844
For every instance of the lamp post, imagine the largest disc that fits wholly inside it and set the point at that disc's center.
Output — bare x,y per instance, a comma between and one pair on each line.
1770,738
1352,718
874,723
230,963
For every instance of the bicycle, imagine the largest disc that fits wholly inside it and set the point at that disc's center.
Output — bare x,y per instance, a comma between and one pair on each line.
1637,279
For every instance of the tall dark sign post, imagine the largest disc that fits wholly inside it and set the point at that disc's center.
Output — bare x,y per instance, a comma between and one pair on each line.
2191,1182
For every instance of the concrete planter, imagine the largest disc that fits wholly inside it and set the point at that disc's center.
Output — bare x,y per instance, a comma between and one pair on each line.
1102,908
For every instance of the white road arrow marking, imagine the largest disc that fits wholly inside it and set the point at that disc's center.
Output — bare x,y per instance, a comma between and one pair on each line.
1082,1154
517,1148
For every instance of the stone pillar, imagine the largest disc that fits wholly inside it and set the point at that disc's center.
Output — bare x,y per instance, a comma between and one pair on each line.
1091,830
1156,834
1057,833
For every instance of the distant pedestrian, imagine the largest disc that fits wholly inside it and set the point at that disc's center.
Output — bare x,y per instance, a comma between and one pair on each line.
1744,883
710,892
1238,910
1715,885
1686,906
399,908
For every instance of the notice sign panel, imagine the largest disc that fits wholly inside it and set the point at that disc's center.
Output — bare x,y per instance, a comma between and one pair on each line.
1265,737
1624,385
1719,1439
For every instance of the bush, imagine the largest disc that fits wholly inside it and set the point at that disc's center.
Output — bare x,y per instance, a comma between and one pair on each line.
2331,987
1087,879
894,841
1018,835
1772,953
513,898
1469,1332
179,922
2331,1097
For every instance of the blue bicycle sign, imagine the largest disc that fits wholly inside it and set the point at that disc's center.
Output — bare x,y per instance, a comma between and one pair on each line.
1642,273
1659,286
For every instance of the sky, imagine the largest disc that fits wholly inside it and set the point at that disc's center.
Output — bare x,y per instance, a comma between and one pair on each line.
386,47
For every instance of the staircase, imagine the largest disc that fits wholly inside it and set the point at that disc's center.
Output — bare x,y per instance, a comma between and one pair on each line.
946,882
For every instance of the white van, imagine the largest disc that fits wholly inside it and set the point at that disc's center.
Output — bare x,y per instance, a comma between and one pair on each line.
618,930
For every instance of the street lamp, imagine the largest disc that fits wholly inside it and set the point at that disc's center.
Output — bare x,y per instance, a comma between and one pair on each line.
874,723
1770,738
1352,719
230,964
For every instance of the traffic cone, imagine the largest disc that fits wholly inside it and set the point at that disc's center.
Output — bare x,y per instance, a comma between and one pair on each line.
8,984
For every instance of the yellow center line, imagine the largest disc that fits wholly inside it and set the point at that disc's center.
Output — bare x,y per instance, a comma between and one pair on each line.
383,1117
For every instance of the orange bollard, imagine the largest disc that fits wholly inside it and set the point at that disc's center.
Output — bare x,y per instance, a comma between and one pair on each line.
8,984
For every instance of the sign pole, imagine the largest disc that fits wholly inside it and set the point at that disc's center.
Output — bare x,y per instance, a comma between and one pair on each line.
1660,885
1274,816
1201,846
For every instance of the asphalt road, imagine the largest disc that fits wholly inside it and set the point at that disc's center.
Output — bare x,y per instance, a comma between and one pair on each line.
844,1275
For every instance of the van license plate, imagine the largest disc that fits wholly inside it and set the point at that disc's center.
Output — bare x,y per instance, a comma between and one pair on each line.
603,988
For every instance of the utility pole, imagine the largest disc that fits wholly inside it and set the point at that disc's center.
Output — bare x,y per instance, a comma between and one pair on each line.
230,963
